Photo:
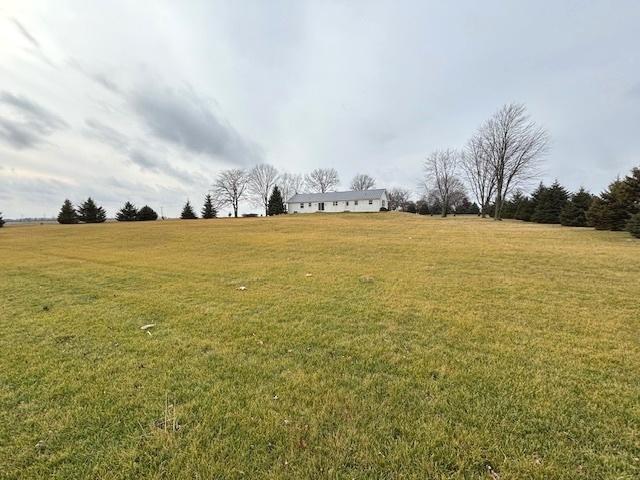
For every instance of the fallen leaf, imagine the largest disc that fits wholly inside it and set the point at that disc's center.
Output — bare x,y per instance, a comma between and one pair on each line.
148,326
242,287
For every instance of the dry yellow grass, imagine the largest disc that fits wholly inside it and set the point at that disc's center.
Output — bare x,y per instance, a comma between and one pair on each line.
364,346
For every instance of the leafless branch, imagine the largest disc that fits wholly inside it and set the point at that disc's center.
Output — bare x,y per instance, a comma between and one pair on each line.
322,179
261,180
362,181
441,178
229,188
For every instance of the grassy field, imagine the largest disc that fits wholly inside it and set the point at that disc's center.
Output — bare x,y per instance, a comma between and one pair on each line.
364,346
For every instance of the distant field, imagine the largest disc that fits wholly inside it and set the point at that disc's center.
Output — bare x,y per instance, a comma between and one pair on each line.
364,346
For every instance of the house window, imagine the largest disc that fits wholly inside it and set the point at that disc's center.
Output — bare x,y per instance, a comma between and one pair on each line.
370,202
321,206
302,205
355,202
384,203
309,203
347,203
335,204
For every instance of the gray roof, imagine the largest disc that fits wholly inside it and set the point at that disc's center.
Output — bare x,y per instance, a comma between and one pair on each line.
337,196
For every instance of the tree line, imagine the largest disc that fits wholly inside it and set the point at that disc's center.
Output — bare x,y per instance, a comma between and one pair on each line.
616,209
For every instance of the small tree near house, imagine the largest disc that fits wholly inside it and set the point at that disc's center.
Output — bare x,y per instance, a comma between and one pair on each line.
128,213
187,212
276,204
68,214
208,210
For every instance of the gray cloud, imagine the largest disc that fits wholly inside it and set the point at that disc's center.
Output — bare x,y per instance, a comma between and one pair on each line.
30,122
184,119
45,190
25,33
100,78
137,151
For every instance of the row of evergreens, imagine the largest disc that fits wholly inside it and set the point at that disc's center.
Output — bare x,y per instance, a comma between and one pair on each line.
89,212
617,208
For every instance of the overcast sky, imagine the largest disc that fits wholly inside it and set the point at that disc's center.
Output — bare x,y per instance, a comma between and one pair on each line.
146,101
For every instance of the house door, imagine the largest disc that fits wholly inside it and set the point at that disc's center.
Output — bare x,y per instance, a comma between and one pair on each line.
321,206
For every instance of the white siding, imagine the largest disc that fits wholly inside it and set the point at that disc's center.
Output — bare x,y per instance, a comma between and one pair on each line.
342,206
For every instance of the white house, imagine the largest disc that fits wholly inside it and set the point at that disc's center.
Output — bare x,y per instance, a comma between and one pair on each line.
352,201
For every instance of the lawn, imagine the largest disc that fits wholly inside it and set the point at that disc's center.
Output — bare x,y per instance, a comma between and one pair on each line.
364,346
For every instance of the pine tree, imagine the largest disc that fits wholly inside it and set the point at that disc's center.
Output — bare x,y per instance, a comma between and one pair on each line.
275,205
510,207
208,210
527,205
68,214
611,210
463,207
423,207
633,225
550,204
187,212
147,213
89,212
574,213
1,220
474,209
128,213
411,207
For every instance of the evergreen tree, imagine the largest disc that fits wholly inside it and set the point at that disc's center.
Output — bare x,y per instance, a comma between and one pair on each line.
633,225
550,203
128,213
68,214
423,207
411,207
1,220
510,207
474,209
527,205
276,204
612,209
89,212
208,210
187,212
435,207
574,213
524,209
463,207
147,213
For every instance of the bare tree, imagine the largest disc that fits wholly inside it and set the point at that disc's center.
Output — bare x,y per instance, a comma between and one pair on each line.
362,181
229,188
514,145
261,180
479,171
441,178
290,184
398,198
322,179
